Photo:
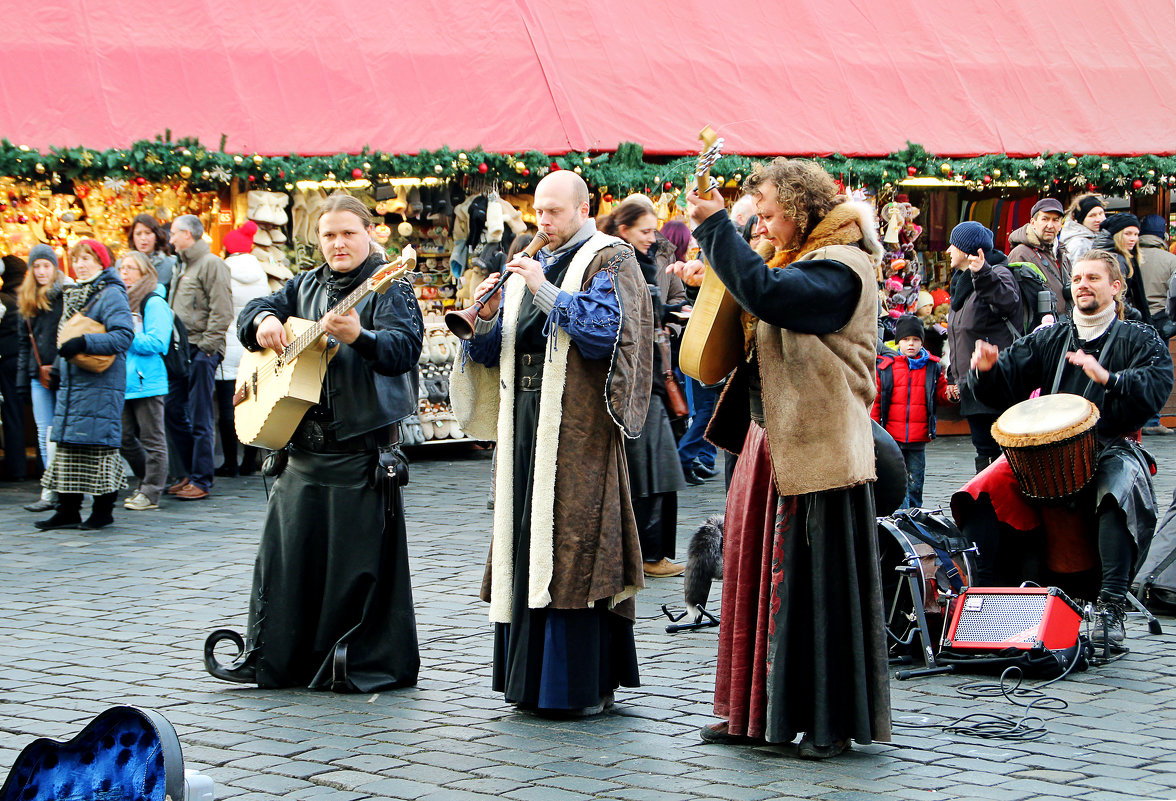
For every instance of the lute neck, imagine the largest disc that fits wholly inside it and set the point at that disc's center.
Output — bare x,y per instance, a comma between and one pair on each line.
312,334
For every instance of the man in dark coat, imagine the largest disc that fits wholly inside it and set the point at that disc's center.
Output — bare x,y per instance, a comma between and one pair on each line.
1125,370
331,606
1036,242
984,295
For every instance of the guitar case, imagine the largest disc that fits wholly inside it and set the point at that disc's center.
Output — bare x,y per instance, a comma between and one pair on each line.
124,753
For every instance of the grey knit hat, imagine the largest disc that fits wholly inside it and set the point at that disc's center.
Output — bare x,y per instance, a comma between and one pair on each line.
43,252
971,237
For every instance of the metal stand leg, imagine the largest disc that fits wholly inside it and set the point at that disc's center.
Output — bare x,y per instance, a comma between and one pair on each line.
706,621
1153,625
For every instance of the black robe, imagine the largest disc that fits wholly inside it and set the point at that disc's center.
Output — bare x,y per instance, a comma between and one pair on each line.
332,565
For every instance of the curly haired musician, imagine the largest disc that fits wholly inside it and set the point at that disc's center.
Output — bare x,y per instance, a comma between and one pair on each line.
802,646
559,373
331,606
1125,369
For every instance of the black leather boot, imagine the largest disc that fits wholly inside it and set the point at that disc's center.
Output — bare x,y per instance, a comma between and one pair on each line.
243,668
101,513
68,514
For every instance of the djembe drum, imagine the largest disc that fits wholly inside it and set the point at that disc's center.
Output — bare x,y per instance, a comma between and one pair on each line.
1050,444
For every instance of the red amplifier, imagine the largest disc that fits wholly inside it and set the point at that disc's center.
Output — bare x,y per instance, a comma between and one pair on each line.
995,618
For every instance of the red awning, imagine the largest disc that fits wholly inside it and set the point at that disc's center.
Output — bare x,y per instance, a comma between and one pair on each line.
772,76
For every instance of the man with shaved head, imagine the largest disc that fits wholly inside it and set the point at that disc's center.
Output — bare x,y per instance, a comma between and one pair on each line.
559,373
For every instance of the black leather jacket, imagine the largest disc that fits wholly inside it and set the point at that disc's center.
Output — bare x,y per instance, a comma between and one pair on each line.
372,383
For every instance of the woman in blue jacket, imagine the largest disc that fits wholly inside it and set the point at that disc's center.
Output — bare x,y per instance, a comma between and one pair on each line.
144,444
87,419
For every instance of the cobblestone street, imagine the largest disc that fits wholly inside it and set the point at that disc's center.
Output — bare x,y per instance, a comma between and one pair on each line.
93,619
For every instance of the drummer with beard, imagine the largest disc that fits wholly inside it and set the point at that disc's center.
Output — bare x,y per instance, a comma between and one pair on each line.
1126,371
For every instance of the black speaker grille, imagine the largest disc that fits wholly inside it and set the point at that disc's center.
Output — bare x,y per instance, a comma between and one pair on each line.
999,617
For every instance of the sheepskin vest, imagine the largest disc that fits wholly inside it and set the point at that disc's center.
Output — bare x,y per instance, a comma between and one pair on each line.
817,390
582,549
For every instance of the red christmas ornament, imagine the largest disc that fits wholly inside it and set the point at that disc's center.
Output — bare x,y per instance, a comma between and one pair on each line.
357,173
526,170
1090,187
912,171
1137,184
22,219
668,185
82,191
281,173
987,179
483,168
140,180
608,198
555,165
252,178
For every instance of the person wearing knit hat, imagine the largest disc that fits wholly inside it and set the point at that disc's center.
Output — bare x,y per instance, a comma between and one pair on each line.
249,281
87,421
1035,242
101,253
910,383
1085,215
924,304
971,238
1119,235
43,252
984,296
240,240
1157,266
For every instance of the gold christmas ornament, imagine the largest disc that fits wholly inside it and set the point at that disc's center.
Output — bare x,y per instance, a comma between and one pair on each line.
945,168
238,160
185,152
996,173
1073,162
40,168
205,175
1151,172
437,168
577,169
1105,166
257,160
266,177
463,157
367,166
185,171
404,229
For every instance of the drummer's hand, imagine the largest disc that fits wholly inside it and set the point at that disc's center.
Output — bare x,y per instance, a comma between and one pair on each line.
1089,364
984,356
690,272
490,308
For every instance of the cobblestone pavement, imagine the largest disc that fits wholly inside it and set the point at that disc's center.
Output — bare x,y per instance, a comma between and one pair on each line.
88,620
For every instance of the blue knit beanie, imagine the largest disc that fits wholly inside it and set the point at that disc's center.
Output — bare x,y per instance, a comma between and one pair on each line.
43,252
971,237
1155,225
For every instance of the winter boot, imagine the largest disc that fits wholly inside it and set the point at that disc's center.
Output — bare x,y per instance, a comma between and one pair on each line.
1110,614
68,513
101,513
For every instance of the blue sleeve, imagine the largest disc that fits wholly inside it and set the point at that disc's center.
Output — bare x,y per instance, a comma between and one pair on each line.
485,348
592,317
113,311
157,328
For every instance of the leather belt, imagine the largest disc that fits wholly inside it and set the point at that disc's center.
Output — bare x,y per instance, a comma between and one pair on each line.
529,372
316,436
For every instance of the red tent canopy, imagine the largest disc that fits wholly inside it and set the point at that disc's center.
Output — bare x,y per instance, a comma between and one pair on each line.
772,76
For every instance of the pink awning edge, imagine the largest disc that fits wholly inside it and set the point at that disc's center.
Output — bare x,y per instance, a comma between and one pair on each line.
797,77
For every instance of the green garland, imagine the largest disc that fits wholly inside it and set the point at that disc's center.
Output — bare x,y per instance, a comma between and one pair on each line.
619,173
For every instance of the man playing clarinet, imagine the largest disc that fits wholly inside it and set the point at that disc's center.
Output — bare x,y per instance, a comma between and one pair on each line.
558,373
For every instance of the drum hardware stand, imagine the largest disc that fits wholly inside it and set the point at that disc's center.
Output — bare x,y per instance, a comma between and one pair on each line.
706,621
1153,625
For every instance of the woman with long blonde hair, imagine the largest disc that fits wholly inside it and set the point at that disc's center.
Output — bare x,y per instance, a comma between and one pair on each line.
1119,235
39,299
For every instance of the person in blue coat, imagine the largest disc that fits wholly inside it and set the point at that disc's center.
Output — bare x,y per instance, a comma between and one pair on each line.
87,419
144,443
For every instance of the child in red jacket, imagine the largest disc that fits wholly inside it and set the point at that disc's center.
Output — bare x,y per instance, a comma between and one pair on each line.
910,383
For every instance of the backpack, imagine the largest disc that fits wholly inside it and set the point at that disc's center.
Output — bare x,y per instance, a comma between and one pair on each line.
178,360
1034,307
1155,581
